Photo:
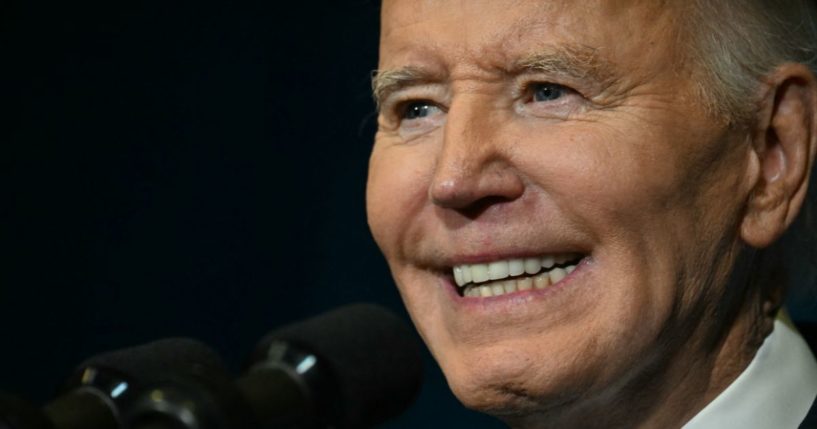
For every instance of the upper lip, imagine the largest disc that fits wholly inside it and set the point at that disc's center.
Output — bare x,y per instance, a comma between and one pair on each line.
488,257
441,256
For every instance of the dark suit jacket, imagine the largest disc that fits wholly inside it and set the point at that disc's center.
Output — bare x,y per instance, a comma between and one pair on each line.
811,418
809,333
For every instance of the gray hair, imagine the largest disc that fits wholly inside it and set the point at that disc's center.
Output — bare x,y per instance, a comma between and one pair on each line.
733,45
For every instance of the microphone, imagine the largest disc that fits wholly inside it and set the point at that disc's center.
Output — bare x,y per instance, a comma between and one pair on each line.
169,383
350,368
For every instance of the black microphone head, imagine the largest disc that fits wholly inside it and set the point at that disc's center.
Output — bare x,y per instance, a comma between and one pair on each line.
174,379
372,355
148,363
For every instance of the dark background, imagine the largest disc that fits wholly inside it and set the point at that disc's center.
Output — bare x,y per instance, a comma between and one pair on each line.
185,168
188,168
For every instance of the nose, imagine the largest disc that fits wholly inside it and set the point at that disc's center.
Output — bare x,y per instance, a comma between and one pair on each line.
474,168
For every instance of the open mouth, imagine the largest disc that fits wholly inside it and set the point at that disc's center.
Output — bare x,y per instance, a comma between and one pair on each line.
512,275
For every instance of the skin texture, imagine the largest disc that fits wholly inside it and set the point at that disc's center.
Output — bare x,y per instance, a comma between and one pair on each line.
620,163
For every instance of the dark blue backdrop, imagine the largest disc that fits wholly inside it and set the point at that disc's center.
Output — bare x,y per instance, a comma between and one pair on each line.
189,168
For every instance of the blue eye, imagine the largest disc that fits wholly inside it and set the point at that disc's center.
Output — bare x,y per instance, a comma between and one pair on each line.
548,91
417,110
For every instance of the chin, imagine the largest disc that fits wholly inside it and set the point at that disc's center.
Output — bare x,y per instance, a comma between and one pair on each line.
506,381
493,388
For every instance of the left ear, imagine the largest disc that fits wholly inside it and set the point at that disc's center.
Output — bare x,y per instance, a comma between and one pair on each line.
784,144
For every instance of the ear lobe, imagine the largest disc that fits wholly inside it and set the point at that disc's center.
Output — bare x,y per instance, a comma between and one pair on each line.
785,143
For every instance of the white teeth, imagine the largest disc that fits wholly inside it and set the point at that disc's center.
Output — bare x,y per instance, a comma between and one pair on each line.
532,265
542,280
548,261
479,273
497,289
466,275
498,270
458,276
557,274
516,267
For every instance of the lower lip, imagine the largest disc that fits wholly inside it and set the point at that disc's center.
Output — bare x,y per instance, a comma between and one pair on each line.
518,297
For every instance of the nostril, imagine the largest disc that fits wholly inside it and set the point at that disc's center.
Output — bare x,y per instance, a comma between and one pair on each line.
475,209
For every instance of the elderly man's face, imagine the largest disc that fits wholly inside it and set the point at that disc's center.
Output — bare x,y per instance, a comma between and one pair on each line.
515,135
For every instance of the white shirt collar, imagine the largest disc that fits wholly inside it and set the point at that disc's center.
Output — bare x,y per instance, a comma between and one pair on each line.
776,390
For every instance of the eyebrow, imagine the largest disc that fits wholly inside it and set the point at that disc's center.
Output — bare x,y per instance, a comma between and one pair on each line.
577,62
387,82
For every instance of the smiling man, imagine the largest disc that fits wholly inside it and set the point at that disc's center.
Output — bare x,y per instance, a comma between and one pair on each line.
574,198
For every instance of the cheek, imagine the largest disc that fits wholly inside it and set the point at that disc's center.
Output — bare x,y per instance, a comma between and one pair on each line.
598,176
631,193
640,170
663,191
396,192
660,204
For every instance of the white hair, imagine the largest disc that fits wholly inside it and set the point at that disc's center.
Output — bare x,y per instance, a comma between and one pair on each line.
733,45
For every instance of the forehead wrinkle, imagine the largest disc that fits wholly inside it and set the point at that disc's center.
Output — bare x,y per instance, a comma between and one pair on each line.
517,52
497,55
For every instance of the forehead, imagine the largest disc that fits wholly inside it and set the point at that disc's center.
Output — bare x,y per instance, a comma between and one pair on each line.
495,32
